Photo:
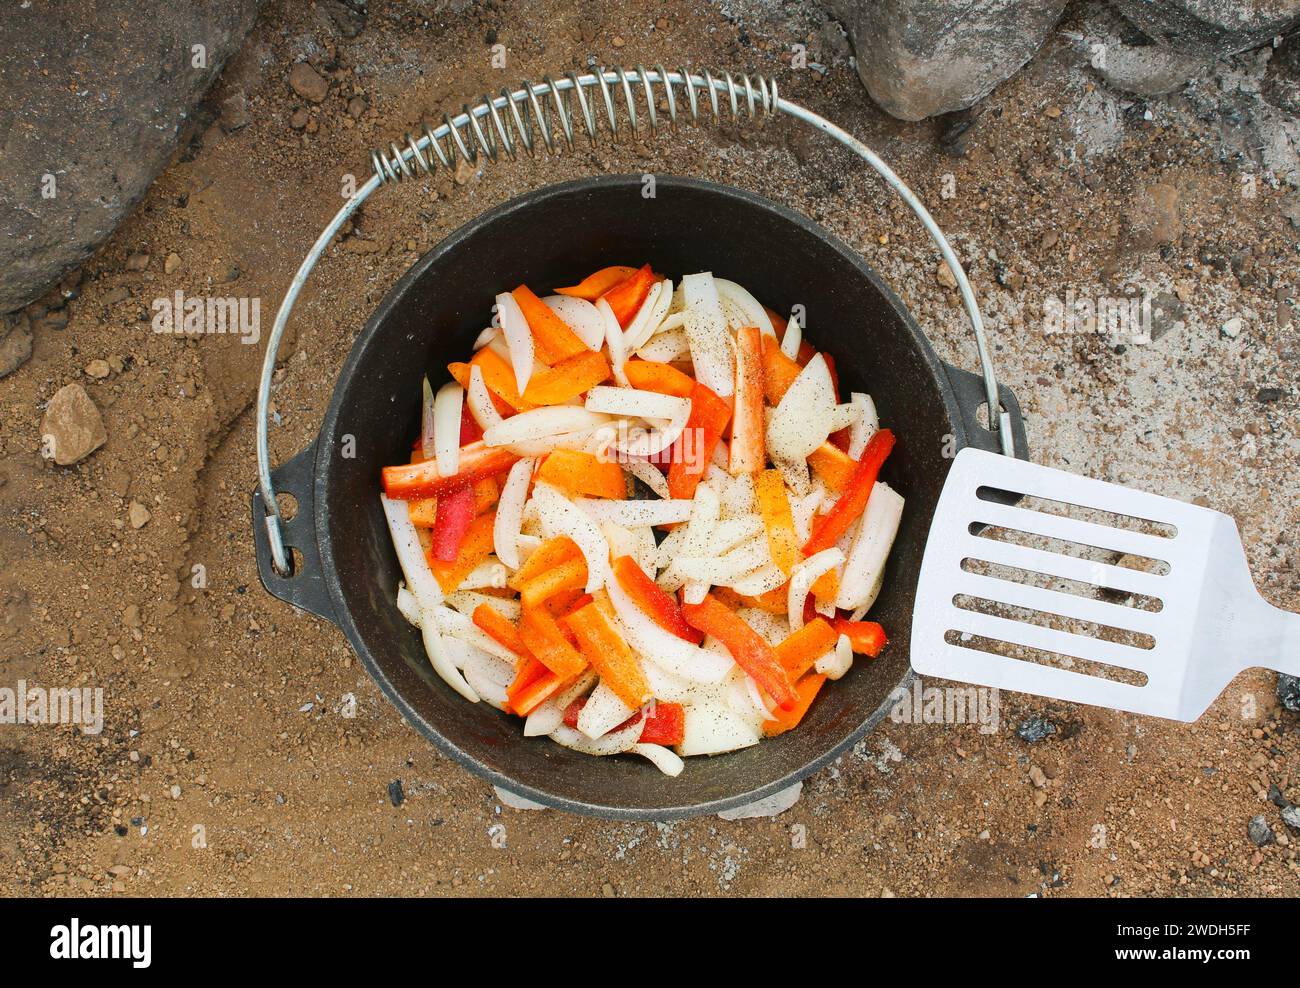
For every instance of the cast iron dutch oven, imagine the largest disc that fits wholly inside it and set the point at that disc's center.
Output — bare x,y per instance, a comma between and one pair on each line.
346,569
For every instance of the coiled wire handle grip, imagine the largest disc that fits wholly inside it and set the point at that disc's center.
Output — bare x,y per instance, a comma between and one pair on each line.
542,113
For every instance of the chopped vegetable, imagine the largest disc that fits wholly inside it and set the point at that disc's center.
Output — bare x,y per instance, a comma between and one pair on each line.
582,473
598,283
660,606
420,480
567,379
866,637
549,554
473,549
500,628
786,720
555,340
651,375
779,371
569,575
801,650
609,654
533,684
832,465
626,297
545,640
749,650
747,425
828,529
774,506
455,512
691,455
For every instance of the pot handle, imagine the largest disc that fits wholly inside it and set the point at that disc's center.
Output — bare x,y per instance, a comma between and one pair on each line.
541,116
304,586
968,389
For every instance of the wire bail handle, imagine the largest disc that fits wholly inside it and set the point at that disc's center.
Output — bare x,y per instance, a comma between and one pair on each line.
541,113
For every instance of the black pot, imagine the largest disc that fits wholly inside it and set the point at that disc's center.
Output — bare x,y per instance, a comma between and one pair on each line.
347,571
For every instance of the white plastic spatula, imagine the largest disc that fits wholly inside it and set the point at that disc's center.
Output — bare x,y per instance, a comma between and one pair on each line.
1183,626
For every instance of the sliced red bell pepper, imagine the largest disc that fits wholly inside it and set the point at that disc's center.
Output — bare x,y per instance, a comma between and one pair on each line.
626,297
830,526
474,548
455,512
533,684
665,723
748,447
693,450
751,652
802,648
866,637
598,283
409,481
660,606
469,430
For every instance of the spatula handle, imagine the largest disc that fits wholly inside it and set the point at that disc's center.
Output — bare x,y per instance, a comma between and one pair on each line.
1288,654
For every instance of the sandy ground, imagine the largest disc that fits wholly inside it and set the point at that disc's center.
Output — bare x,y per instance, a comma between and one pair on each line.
225,766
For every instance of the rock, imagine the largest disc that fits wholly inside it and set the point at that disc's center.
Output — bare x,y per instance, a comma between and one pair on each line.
98,369
72,427
234,112
1231,329
307,83
1291,817
16,343
1288,691
772,805
1211,28
93,103
396,795
299,118
1269,394
357,107
172,264
1153,218
1259,832
1291,208
1035,729
508,798
920,58
1128,60
347,16
944,276
137,262
138,515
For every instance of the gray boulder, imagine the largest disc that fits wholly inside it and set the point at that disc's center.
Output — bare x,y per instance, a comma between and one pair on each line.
1129,60
1211,28
920,58
95,93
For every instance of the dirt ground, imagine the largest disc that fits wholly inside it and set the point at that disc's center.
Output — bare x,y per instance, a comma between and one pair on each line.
225,766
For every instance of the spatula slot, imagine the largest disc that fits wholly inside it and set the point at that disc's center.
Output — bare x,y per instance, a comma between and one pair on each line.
1056,622
1090,553
1080,512
1097,590
1042,657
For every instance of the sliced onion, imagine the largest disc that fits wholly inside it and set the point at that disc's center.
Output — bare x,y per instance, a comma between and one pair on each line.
756,700
713,728
839,660
613,743
491,573
803,576
509,519
664,759
738,496
694,591
650,315
541,423
614,338
410,554
468,601
754,313
562,517
456,625
802,420
602,712
648,474
580,316
428,442
519,338
632,402
695,541
706,330
733,531
845,416
665,347
480,400
488,675
865,566
802,510
676,655
486,336
446,427
793,338
407,606
722,571
633,514
771,627
865,426
549,715
762,580
561,440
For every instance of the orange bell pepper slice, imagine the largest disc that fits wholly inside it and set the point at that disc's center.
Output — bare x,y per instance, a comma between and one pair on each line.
802,648
475,548
598,283
609,654
533,685
778,519
569,575
554,339
830,526
750,650
460,374
660,606
866,637
748,446
567,379
424,511
626,297
651,375
704,427
543,638
833,465
584,473
779,371
498,377
550,553
807,689
414,481
500,628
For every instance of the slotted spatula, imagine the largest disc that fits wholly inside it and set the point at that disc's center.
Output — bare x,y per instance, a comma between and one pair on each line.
1183,627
